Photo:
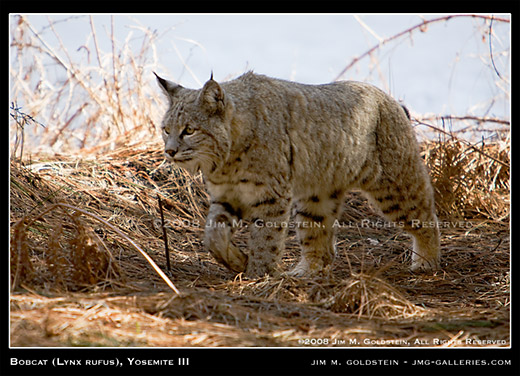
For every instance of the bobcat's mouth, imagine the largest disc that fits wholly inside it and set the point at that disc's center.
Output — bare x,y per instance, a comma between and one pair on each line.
179,157
194,161
182,158
187,162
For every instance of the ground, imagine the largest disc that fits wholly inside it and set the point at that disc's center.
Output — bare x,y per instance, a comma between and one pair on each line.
78,278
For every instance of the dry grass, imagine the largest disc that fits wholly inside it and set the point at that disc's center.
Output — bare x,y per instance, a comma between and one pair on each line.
85,223
74,95
470,180
76,281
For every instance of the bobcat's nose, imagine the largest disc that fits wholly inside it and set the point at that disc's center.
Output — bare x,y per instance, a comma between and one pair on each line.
171,152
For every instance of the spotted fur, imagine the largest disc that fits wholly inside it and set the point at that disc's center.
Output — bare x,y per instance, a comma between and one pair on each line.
267,145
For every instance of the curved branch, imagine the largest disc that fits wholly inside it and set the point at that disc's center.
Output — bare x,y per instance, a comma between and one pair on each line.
410,30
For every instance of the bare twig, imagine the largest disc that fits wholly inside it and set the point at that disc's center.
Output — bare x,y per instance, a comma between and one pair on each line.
115,72
70,69
467,143
165,235
478,119
21,119
491,47
94,37
420,26
367,28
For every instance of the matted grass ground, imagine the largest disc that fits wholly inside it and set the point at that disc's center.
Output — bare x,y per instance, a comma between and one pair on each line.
76,281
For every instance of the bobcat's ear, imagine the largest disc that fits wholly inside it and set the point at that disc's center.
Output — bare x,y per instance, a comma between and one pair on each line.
212,97
169,88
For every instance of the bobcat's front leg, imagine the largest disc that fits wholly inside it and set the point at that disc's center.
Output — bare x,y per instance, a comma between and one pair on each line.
268,232
217,237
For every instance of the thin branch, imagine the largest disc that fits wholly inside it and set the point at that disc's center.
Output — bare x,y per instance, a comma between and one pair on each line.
420,26
69,69
367,28
467,143
94,37
114,76
165,235
469,117
491,48
21,118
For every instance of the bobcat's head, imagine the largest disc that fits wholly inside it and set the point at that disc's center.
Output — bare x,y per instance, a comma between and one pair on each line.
196,126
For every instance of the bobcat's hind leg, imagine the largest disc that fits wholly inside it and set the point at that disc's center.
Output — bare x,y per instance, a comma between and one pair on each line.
410,204
426,249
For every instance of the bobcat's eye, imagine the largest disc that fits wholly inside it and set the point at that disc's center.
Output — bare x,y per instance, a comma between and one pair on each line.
188,130
166,130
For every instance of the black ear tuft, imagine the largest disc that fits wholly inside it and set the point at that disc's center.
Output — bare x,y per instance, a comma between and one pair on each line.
170,88
212,97
406,112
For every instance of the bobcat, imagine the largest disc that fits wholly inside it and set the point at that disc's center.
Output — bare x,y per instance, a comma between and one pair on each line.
266,145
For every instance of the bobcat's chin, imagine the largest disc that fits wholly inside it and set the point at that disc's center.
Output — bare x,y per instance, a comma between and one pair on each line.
192,166
189,164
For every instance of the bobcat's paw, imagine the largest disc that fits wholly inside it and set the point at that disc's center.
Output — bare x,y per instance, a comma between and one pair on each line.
232,258
258,269
423,264
304,269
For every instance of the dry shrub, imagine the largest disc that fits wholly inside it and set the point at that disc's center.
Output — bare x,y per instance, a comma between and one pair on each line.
67,255
53,248
98,101
91,261
361,294
21,266
79,223
470,181
368,295
282,289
